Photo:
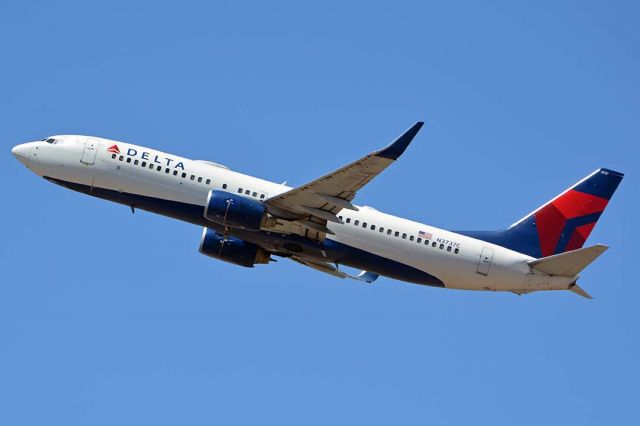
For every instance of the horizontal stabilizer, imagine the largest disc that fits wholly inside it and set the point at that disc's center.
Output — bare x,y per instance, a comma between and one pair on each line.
579,291
570,263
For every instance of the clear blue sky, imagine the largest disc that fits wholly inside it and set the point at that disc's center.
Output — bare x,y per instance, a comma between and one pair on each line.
111,318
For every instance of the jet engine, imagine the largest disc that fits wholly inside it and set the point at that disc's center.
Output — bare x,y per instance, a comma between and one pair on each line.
232,250
235,211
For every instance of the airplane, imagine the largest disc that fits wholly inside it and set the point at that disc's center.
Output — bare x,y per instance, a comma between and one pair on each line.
248,221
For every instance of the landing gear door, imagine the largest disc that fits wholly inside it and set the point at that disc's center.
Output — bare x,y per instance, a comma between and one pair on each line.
485,261
90,150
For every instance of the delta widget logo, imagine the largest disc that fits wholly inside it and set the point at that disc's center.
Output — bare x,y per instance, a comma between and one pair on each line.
114,149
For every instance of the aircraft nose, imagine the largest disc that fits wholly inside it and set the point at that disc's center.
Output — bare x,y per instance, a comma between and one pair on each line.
21,152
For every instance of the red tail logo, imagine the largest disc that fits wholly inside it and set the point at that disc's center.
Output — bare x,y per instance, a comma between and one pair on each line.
114,149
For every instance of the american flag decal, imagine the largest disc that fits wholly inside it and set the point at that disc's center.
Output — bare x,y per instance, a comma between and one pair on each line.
425,235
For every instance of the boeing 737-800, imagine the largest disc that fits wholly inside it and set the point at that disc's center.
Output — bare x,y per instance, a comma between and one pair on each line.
247,220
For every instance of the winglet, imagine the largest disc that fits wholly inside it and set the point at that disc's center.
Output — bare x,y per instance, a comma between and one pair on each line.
397,147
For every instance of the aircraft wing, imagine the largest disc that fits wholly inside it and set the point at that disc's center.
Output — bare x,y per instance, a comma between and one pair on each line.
315,203
331,269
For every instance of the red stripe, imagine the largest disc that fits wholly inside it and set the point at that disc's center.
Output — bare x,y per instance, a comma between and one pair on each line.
575,204
575,242
550,223
585,230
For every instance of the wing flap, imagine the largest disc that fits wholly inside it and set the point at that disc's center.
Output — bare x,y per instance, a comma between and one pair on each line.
327,268
331,269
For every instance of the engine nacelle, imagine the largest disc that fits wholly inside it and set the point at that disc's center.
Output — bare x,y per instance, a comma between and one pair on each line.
234,210
232,250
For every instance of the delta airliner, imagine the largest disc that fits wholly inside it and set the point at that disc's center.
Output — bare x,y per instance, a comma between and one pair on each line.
247,221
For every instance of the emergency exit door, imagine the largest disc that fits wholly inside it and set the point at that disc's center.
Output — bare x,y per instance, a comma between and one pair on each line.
485,261
90,150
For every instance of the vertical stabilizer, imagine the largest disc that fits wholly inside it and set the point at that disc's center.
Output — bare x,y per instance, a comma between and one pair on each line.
562,224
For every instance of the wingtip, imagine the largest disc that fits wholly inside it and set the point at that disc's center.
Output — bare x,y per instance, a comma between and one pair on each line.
398,146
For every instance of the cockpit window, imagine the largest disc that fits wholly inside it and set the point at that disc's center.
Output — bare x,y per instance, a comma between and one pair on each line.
50,140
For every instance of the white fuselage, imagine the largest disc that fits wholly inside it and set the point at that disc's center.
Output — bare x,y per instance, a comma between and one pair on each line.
458,261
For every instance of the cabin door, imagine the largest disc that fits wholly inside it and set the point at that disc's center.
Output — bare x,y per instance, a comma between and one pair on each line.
485,261
90,151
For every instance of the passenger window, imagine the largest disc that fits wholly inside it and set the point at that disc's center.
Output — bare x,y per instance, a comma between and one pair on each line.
150,165
426,242
419,240
121,158
184,175
381,229
193,177
340,217
113,156
448,248
200,179
144,164
262,196
373,227
135,162
404,236
247,192
224,186
128,159
159,168
364,224
356,222
396,234
411,238
456,251
434,244
175,173
348,220
167,170
389,231
239,190
208,181
441,246
255,194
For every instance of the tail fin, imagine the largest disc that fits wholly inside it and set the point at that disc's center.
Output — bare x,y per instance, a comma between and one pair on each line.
564,223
